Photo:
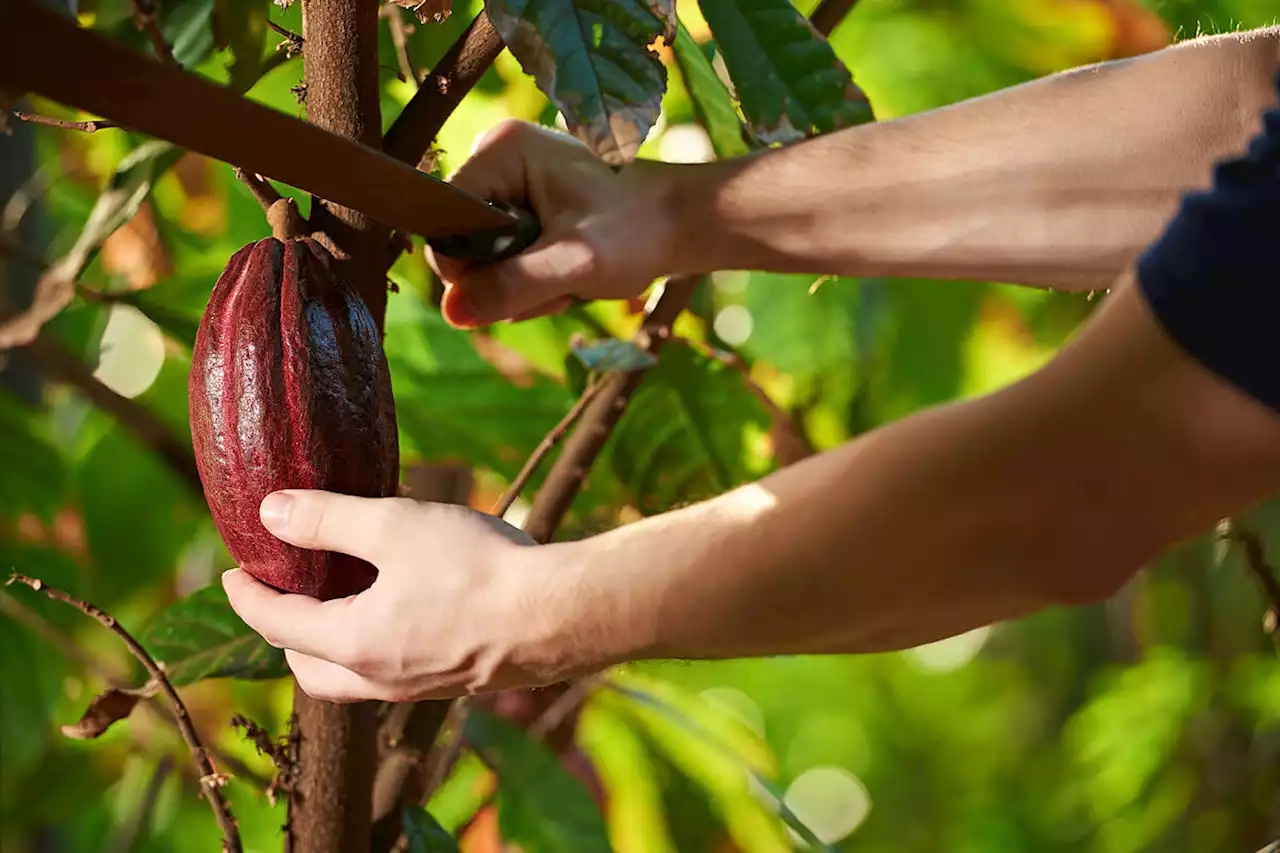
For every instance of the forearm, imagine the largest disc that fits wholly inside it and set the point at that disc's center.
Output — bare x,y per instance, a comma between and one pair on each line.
1053,491
1058,182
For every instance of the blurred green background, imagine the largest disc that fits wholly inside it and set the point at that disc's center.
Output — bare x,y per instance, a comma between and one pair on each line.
1151,722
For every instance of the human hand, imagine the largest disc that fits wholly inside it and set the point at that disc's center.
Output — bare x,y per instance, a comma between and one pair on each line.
605,234
458,605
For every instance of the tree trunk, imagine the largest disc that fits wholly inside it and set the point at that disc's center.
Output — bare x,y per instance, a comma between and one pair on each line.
329,809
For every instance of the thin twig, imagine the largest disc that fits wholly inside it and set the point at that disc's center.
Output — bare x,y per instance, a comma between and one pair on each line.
548,443
400,38
447,759
1255,558
829,13
91,126
210,780
147,19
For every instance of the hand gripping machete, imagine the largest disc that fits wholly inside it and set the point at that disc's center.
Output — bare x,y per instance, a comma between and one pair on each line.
43,52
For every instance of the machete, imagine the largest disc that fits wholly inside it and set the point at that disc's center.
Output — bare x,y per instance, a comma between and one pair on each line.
45,53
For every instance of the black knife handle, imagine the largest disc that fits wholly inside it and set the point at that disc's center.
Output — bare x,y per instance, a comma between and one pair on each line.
492,244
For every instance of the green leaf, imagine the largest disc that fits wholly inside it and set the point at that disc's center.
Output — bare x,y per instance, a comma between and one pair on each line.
201,637
592,59
541,807
809,331
189,28
425,834
712,103
613,355
684,436
789,81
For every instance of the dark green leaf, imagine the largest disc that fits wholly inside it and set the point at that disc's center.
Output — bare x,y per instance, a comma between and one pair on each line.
541,807
201,637
613,355
711,100
592,59
189,28
789,81
684,436
425,834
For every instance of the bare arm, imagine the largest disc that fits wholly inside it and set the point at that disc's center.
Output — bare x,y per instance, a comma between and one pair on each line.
1058,182
1053,491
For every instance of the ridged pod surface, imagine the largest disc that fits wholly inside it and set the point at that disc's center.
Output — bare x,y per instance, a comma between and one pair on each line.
289,389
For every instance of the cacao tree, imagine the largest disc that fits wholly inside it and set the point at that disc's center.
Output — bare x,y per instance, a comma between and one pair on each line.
568,425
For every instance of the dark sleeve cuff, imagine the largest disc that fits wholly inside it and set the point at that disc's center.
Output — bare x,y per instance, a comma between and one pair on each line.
1213,278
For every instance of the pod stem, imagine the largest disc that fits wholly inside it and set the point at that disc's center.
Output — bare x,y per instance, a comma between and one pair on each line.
285,220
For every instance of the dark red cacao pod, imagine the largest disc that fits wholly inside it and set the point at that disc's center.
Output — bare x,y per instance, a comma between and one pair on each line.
289,389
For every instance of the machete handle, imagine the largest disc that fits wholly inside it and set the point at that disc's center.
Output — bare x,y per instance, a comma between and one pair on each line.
491,245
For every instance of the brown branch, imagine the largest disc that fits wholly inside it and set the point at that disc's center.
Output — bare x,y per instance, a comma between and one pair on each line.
147,19
1255,558
91,126
549,442
210,780
411,134
61,365
829,13
261,189
400,38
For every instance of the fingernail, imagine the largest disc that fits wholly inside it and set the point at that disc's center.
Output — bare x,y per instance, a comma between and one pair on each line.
274,510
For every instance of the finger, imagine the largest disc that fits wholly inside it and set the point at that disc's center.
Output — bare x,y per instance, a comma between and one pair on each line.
549,270
555,306
327,521
288,621
330,682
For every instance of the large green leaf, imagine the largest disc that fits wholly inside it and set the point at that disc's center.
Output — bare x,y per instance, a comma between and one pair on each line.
803,330
425,834
541,807
712,103
592,59
685,434
789,81
241,26
201,637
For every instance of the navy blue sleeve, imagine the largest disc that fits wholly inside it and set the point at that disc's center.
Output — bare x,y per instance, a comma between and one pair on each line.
1213,278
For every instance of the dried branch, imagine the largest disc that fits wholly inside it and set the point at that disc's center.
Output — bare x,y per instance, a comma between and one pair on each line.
549,442
1255,558
400,38
91,126
210,780
147,19
63,366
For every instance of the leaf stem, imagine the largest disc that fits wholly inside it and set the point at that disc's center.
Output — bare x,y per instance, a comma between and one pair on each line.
210,780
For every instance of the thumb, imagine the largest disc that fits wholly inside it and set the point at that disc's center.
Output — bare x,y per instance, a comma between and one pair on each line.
328,521
520,286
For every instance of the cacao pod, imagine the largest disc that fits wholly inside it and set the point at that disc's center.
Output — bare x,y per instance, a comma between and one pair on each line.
289,389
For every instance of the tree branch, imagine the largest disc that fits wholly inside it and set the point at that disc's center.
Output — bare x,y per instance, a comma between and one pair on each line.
292,43
549,442
829,13
411,134
210,780
259,187
63,366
